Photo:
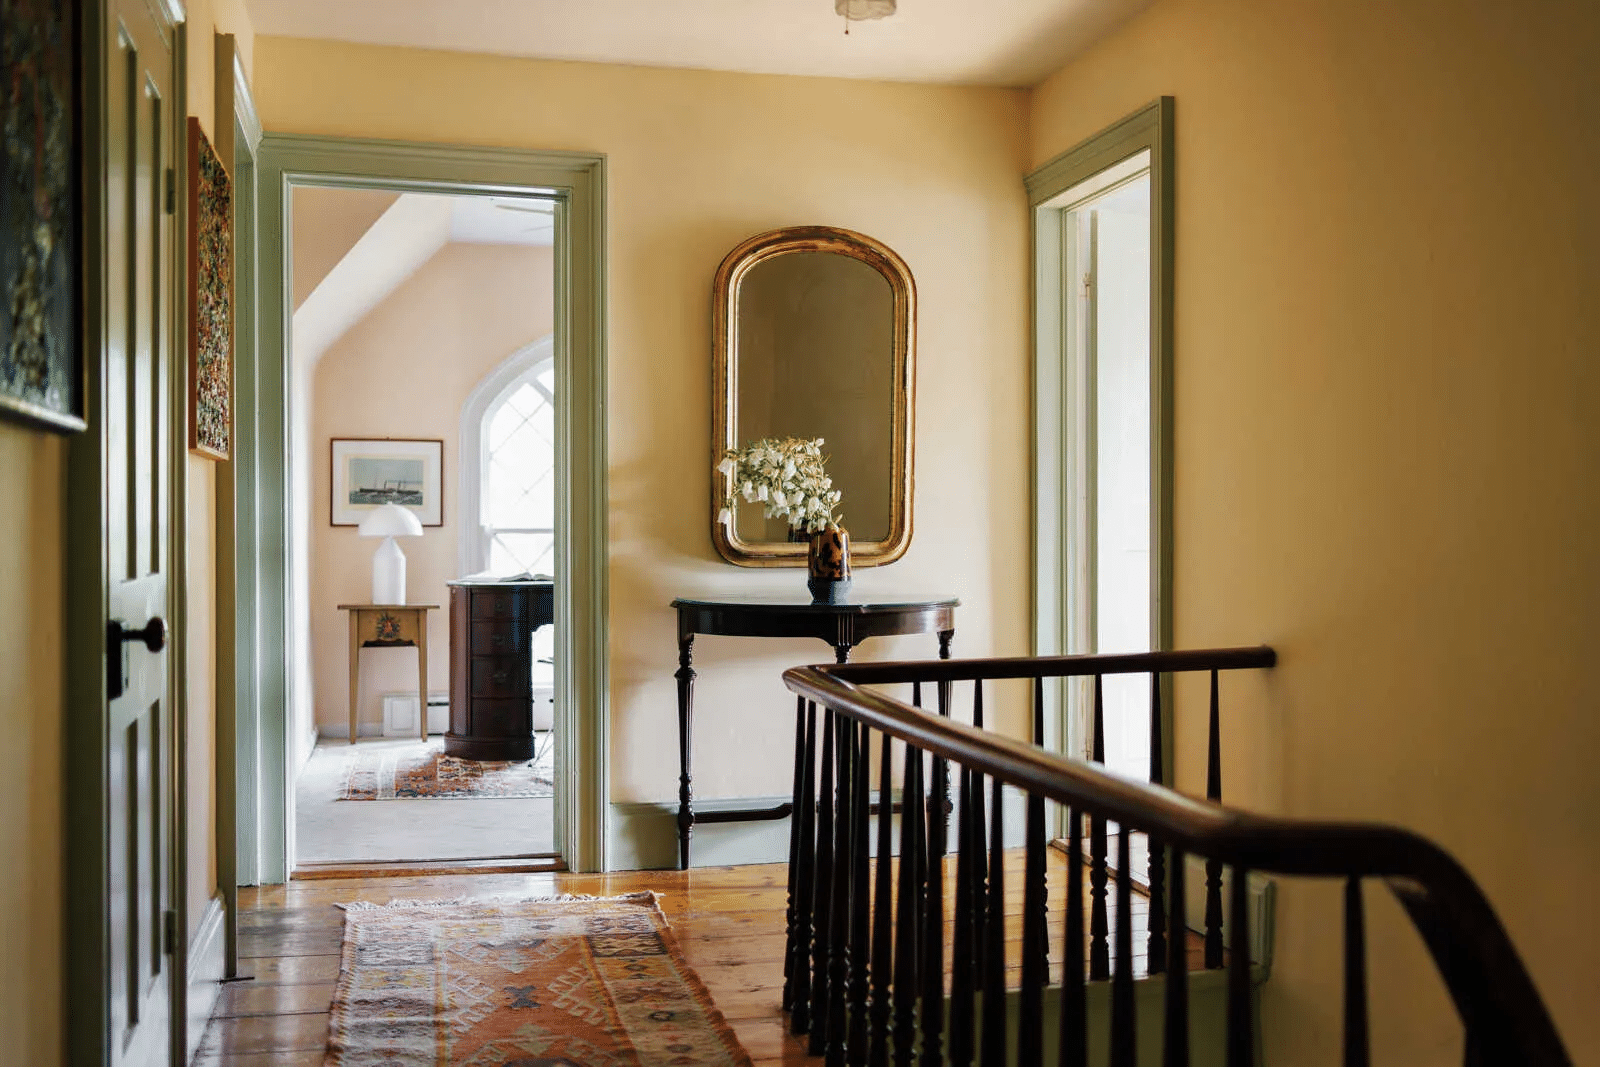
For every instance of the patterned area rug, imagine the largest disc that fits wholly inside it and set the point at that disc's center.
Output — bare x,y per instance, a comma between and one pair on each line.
424,772
560,982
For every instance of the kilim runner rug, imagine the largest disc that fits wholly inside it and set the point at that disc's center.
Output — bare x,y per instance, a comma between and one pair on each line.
424,772
560,982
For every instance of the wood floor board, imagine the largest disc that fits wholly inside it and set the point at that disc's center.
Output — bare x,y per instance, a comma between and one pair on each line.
730,923
267,1033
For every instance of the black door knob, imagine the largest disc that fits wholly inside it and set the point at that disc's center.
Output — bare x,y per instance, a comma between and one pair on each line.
153,634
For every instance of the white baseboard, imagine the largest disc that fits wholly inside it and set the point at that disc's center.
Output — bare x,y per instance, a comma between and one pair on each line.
340,731
207,967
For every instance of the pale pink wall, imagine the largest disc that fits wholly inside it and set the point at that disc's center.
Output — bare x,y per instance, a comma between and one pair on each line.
404,371
326,225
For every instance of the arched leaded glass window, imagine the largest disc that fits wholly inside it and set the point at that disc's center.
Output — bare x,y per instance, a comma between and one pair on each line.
519,477
508,467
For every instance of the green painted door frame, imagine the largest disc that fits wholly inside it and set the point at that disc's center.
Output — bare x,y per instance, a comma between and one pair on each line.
577,182
1150,129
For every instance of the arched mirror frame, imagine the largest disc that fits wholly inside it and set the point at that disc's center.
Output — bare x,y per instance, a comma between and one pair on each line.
725,363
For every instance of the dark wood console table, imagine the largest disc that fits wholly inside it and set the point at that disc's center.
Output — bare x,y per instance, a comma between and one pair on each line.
842,626
491,667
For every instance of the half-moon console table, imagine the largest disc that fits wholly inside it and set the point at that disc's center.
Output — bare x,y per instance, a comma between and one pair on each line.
491,667
844,626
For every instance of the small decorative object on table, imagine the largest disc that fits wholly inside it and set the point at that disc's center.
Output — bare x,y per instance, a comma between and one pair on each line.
828,563
788,477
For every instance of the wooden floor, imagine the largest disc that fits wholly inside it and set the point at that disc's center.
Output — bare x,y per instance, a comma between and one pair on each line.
729,921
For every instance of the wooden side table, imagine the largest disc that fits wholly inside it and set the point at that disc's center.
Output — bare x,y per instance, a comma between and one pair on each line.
389,626
842,626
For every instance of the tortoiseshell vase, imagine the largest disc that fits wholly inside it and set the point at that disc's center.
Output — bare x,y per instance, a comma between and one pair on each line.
828,564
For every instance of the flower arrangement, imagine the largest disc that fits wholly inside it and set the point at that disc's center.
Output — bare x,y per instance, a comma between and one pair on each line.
787,476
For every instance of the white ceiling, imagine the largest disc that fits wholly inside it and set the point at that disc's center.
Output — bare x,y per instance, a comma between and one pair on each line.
968,42
502,220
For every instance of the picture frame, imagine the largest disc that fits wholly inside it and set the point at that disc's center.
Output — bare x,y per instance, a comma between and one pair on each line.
367,472
42,359
210,260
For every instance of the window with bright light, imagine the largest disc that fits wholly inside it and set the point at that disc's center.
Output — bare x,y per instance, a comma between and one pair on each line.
508,467
519,476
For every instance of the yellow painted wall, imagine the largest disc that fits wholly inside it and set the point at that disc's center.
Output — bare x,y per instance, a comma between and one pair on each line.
404,371
1386,450
696,162
206,18
32,466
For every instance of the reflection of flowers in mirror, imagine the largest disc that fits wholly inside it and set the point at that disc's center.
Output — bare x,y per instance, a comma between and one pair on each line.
786,476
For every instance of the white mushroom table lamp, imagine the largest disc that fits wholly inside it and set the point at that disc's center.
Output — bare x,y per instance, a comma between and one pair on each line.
388,562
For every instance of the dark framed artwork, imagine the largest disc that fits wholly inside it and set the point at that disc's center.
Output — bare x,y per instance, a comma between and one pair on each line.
210,299
41,356
367,473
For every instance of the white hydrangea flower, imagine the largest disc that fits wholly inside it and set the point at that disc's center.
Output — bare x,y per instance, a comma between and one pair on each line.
787,476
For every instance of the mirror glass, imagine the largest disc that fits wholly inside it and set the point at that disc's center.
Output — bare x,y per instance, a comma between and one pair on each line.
814,340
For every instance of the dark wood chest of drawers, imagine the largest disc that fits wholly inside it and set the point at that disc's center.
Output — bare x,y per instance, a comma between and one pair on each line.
491,667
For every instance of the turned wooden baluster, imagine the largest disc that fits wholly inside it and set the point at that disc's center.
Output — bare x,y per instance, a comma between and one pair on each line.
931,964
1156,871
805,809
980,892
1074,1043
882,913
1122,1021
1099,948
1214,866
994,961
1356,1052
1241,1023
1175,1045
823,898
1035,973
839,905
1041,903
906,918
860,894
794,850
961,949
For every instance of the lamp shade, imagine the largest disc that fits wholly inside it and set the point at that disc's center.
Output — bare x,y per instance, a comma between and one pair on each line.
391,520
857,10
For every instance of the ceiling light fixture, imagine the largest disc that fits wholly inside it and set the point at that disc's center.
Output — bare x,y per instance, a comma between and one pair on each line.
857,10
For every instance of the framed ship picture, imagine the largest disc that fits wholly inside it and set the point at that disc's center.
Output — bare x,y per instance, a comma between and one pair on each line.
370,472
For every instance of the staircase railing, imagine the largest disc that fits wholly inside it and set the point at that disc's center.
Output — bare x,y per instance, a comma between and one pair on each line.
865,968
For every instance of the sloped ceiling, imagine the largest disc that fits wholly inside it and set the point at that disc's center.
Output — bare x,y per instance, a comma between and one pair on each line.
353,247
968,42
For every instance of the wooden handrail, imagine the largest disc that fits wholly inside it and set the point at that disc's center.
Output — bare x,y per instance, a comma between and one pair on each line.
1469,945
1082,666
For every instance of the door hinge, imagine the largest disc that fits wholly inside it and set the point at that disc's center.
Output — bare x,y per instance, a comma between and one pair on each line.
169,932
172,191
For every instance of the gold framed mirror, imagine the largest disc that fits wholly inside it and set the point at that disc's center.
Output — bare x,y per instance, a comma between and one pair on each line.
814,335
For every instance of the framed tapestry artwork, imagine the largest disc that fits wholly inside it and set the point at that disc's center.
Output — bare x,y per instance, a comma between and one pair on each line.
210,299
370,472
41,356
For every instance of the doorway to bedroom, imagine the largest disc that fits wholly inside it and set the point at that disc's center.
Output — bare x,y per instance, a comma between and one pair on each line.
423,480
